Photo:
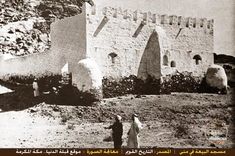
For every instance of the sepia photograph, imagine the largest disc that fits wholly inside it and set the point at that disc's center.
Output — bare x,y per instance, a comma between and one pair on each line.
117,74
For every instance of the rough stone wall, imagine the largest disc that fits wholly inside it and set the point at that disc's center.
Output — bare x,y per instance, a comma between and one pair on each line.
118,39
124,43
184,62
118,42
68,45
88,76
37,64
188,37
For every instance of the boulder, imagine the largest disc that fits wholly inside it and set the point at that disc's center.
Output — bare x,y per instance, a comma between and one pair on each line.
216,77
88,77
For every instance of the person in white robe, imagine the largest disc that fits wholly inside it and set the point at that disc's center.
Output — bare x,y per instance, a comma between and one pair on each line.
133,133
35,88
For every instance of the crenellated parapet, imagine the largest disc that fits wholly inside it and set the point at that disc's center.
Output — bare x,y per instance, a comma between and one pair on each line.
150,17
187,21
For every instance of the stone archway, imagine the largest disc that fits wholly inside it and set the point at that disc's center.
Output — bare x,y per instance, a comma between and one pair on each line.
150,64
173,64
197,59
165,60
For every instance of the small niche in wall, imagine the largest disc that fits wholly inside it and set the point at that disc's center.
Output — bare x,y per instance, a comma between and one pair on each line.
96,49
145,16
187,23
135,16
115,13
194,24
165,60
154,16
125,14
171,20
179,20
197,59
173,64
162,19
201,24
208,26
113,56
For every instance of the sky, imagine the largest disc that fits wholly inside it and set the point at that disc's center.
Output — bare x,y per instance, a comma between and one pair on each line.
222,11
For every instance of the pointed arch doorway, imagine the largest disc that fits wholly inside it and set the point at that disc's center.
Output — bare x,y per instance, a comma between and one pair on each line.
150,64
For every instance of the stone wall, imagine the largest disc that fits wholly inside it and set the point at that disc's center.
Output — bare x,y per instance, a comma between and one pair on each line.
36,64
88,77
123,43
68,45
69,40
118,40
188,37
118,44
184,61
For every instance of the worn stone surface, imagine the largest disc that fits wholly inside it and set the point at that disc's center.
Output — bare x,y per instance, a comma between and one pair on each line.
25,24
125,42
25,37
69,41
88,77
177,39
216,77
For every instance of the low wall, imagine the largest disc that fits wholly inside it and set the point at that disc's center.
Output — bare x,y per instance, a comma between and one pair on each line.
68,45
35,64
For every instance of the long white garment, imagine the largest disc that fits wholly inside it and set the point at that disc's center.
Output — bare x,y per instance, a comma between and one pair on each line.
35,89
133,135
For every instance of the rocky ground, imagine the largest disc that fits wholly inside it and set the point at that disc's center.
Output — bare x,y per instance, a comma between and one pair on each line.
176,120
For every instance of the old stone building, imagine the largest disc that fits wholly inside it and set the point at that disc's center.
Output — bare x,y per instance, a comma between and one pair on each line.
122,42
106,42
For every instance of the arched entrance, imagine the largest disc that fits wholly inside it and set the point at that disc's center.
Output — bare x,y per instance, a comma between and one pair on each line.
150,61
197,59
165,60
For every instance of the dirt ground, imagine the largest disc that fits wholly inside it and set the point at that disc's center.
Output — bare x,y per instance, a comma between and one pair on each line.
176,120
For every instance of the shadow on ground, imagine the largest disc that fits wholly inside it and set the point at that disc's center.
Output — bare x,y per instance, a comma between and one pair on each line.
23,98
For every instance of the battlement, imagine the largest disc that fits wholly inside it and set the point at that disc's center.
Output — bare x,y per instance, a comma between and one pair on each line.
150,17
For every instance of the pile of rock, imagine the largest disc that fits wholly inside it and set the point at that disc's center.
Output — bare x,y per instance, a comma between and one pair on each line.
25,24
50,9
21,38
16,10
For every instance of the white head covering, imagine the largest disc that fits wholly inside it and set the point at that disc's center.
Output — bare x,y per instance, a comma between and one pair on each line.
118,117
137,121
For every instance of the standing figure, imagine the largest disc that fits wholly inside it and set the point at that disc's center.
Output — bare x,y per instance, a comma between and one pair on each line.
35,88
117,131
133,133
